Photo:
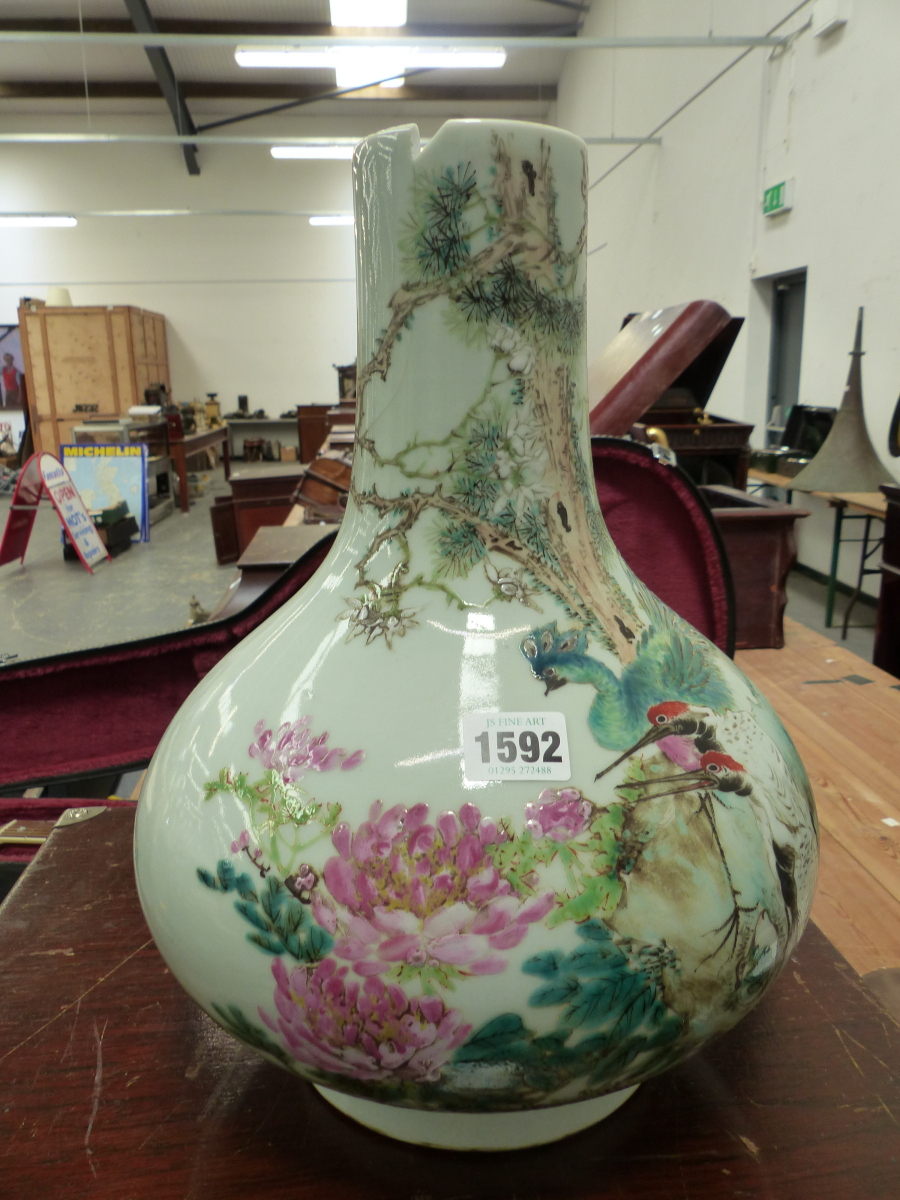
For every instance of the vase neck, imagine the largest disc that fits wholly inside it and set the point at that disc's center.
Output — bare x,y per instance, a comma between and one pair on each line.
472,383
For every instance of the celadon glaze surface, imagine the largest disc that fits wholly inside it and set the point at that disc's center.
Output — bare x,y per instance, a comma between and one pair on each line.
475,824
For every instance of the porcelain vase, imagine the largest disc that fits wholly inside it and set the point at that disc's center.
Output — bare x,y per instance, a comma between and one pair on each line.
474,834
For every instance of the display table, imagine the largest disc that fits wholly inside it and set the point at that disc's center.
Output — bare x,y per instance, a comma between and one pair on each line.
115,1085
183,448
848,506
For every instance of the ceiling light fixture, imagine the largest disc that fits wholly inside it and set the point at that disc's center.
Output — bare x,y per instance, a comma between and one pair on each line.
368,14
23,221
332,219
356,66
339,148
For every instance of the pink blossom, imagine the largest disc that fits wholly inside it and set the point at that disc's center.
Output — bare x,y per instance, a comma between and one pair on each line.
293,750
369,1030
560,814
410,893
242,842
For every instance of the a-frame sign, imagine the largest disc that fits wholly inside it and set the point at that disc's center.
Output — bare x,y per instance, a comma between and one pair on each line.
43,472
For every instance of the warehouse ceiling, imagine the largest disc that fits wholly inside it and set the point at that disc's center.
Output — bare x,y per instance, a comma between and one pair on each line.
52,77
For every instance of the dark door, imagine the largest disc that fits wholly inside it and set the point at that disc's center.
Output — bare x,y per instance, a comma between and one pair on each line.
788,300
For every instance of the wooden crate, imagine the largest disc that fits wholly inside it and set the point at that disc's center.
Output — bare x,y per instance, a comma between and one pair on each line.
76,356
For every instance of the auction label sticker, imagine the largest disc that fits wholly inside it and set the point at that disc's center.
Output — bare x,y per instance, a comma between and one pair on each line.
515,745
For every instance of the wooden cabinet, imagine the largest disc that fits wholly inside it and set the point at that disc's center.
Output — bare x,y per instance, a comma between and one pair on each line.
759,537
79,357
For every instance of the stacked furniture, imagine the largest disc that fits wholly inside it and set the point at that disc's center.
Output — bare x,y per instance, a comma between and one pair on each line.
81,360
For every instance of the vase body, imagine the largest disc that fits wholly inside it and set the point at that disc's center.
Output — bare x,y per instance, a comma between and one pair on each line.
475,826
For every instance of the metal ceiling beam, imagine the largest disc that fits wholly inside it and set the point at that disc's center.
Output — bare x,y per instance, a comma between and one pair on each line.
102,139
144,23
281,29
582,8
138,89
32,37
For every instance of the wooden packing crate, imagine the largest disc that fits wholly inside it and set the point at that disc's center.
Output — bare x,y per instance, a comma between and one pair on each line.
89,355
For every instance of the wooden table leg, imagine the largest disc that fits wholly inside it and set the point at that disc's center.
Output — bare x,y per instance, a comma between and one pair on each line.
835,558
226,455
181,465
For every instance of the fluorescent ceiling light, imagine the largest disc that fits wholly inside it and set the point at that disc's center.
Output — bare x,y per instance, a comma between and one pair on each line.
324,150
333,219
22,221
375,14
356,66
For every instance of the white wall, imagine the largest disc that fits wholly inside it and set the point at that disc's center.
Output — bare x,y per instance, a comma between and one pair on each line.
683,220
260,305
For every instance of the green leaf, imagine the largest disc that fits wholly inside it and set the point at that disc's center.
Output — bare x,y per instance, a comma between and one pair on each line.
600,894
602,962
207,878
225,871
273,894
494,1040
266,942
555,993
318,943
250,913
237,1024
245,888
594,931
590,1007
546,963
291,917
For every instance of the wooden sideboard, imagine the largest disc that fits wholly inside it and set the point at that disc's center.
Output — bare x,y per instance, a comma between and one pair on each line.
759,537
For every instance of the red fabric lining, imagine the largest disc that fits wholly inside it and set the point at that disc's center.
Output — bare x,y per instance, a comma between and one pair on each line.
99,710
663,530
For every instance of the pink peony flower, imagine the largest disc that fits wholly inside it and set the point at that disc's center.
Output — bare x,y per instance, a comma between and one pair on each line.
408,892
560,814
293,751
367,1030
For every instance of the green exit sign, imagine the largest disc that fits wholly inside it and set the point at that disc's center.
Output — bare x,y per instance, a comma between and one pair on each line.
778,198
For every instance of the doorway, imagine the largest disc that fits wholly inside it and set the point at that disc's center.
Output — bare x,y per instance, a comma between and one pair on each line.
788,303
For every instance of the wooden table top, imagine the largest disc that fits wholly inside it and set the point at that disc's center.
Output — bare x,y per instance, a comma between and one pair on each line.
204,437
770,477
872,503
280,545
115,1086
843,715
267,470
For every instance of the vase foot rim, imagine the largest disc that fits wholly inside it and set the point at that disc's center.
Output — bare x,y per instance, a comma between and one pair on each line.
477,1130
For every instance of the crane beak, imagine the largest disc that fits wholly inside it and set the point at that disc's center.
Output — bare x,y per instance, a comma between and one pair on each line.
652,735
685,781
688,783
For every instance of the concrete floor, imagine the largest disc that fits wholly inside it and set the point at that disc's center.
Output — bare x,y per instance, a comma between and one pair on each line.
48,605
